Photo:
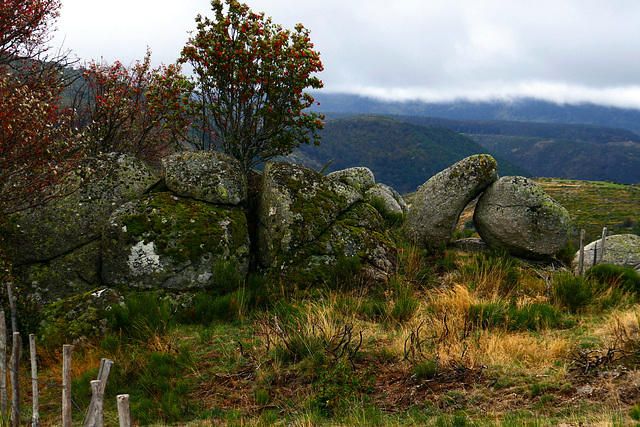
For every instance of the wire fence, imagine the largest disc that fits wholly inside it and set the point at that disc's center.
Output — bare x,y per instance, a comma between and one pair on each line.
93,416
599,252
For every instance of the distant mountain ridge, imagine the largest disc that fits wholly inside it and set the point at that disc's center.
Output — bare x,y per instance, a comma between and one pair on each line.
525,110
545,149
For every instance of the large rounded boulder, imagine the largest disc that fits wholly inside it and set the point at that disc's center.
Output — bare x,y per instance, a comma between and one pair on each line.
620,249
438,203
210,176
516,214
166,241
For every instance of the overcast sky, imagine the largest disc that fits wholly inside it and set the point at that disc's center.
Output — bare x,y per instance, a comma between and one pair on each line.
434,50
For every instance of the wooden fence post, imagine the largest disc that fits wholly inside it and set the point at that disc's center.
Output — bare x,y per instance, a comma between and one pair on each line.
98,395
602,246
66,385
12,307
4,397
124,410
16,353
583,234
34,381
103,376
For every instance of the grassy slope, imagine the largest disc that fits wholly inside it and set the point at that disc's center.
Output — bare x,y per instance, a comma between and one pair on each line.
452,339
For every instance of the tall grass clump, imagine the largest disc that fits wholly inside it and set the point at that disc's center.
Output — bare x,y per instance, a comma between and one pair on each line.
229,307
625,278
507,316
572,292
492,275
405,301
226,277
141,316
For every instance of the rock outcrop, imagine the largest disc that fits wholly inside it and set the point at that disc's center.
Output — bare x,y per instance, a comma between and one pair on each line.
71,222
436,207
166,241
309,223
515,214
209,176
620,249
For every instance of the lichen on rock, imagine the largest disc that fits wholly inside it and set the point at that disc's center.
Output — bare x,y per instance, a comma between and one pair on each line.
166,241
620,249
65,224
360,178
310,223
210,176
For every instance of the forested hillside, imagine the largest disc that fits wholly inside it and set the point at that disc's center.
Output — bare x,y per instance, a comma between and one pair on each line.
400,154
617,161
558,150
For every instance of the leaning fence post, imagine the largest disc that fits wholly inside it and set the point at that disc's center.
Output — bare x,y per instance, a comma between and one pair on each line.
98,395
12,307
16,353
66,385
583,234
4,397
124,410
604,240
103,376
34,381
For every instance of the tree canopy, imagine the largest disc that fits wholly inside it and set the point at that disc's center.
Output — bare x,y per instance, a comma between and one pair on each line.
248,85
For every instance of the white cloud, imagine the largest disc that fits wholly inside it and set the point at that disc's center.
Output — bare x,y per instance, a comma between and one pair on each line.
561,50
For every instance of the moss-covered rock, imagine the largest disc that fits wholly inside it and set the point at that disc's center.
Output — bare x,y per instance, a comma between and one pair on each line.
71,222
166,241
209,176
517,215
296,206
312,226
438,203
71,274
76,318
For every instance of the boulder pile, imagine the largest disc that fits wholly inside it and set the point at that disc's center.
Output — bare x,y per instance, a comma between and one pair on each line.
181,230
512,213
130,227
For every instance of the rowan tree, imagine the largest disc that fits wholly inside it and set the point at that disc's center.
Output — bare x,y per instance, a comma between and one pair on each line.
248,85
25,28
37,144
135,110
